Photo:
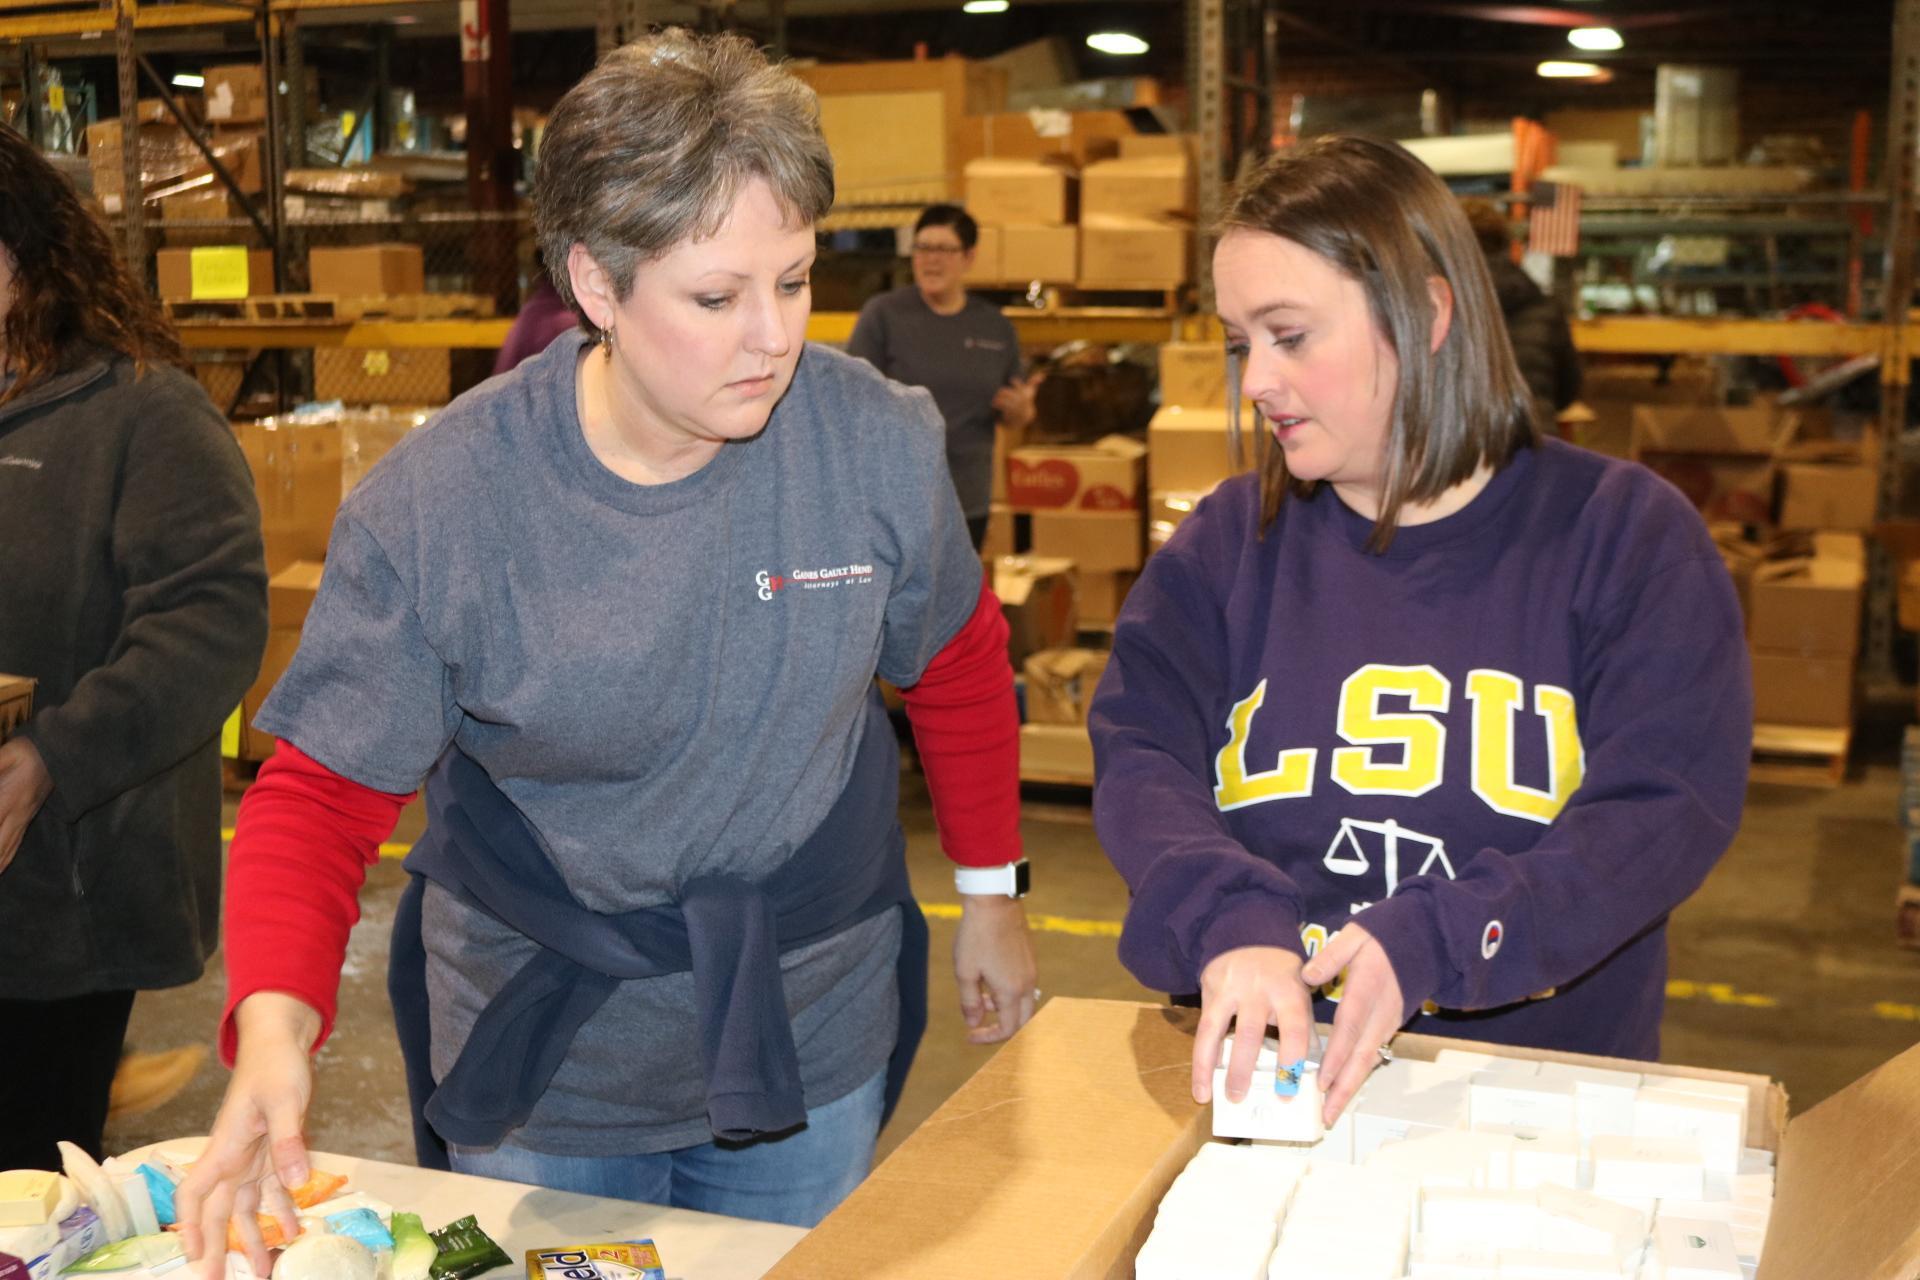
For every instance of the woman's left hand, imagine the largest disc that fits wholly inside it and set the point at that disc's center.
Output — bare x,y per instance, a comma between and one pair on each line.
993,963
1014,402
24,787
1371,1011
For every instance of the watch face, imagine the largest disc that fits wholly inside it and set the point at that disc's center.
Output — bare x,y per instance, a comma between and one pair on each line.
1022,878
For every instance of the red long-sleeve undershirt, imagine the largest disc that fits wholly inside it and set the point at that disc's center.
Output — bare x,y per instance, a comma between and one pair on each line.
305,835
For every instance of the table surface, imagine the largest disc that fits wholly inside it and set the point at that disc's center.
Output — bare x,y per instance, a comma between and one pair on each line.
694,1246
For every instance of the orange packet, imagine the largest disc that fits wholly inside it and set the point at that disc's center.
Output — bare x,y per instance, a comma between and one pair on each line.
318,1187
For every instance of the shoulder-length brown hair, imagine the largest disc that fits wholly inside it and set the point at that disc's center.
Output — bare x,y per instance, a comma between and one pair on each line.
1379,215
70,289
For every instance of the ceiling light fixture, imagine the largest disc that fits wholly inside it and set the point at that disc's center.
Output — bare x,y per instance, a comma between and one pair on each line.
1568,70
1594,39
1116,42
984,6
185,81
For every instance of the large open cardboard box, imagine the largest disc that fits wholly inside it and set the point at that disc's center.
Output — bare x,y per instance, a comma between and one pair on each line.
1049,1162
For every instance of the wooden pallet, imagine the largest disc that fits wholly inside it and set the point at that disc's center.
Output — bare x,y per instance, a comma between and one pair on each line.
1790,755
417,306
269,308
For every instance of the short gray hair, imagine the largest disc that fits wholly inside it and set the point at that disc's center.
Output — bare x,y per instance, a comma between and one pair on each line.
652,147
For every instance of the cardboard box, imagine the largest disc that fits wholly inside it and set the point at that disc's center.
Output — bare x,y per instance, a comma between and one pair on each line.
1193,375
1792,688
1096,541
396,376
154,111
1815,496
281,646
986,257
290,594
1694,429
1037,596
173,268
1083,1120
1107,475
1050,255
236,94
1054,753
1155,188
1060,684
1133,255
202,206
1141,146
1187,449
1005,440
367,271
1078,136
1021,192
899,131
1101,595
296,476
16,703
1809,606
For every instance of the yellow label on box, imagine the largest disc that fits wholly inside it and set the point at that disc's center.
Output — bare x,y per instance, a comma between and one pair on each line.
57,98
219,271
377,364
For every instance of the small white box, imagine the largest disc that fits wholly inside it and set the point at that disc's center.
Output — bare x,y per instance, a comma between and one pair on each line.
1463,1059
1358,1258
1575,1222
1215,1254
1266,1114
1525,1102
1463,1158
1717,1123
1452,1218
1540,1264
1427,1261
1664,1168
1395,1112
1539,1159
1602,1099
1695,1250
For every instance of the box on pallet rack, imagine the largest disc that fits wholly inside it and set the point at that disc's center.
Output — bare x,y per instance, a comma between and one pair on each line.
389,376
1085,1118
1096,541
1037,597
213,272
1108,475
235,94
898,130
1133,253
1040,193
367,271
1187,449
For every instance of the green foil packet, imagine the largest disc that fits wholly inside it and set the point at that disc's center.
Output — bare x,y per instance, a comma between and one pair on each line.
466,1251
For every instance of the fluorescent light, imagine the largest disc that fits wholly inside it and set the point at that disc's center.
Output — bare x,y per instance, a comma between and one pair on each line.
984,6
1567,70
185,81
1594,39
1116,42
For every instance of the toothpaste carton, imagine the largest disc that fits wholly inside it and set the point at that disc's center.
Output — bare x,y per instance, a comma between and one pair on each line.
624,1260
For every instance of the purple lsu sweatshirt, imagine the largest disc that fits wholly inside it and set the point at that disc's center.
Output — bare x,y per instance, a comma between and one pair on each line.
1509,745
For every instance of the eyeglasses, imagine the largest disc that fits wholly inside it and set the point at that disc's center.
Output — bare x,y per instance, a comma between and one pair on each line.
938,250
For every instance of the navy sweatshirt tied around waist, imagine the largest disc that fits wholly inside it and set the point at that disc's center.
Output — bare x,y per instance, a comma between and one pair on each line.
729,933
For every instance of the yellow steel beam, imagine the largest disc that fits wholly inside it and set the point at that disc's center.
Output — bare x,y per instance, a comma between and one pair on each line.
45,26
288,6
226,335
1671,335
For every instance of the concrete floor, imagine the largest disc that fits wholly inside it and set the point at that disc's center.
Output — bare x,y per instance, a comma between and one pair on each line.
1783,962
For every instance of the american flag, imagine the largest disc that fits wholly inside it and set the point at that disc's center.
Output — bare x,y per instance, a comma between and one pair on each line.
1553,219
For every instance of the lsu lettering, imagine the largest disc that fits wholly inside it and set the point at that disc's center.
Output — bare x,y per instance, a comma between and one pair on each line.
1418,737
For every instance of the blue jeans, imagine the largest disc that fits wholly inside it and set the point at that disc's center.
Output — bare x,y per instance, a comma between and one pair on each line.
796,1177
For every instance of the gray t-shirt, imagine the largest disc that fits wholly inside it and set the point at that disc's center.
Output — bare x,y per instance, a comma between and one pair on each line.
667,680
962,359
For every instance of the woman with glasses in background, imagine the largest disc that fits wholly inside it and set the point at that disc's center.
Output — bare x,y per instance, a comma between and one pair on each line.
933,334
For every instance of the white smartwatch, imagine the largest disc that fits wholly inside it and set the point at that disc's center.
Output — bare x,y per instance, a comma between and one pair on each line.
1010,879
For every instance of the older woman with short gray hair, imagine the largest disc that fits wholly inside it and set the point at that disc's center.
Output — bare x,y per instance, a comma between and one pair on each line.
621,611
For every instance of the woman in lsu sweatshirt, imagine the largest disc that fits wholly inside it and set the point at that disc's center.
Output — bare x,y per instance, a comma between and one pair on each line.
1429,719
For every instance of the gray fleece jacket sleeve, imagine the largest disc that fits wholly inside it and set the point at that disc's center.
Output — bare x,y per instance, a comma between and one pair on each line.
187,551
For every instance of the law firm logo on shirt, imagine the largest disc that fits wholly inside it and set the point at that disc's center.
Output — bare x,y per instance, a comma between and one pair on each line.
984,344
844,575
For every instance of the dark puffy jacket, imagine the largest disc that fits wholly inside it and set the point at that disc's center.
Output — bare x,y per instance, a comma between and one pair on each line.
1542,341
133,588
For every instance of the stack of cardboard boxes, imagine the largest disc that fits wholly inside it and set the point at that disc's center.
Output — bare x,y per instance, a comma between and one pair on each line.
1187,442
302,467
170,165
1803,630
1134,210
366,376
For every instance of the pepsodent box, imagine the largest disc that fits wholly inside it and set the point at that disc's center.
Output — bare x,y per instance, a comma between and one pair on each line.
624,1260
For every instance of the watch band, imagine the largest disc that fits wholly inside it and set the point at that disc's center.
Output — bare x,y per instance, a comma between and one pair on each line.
1010,879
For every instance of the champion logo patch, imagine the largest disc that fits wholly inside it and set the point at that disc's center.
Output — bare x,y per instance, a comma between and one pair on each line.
1490,939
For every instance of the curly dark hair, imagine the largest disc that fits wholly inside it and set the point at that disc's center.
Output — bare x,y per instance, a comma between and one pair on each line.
70,288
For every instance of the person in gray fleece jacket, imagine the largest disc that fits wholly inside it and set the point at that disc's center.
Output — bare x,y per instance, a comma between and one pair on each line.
133,591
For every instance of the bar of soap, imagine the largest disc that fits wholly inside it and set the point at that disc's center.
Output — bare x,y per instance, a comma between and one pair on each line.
1452,1218
1664,1168
1471,1062
1396,1109
1602,1099
1718,1123
1539,1159
1575,1222
27,1197
1265,1112
1526,1102
1692,1249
